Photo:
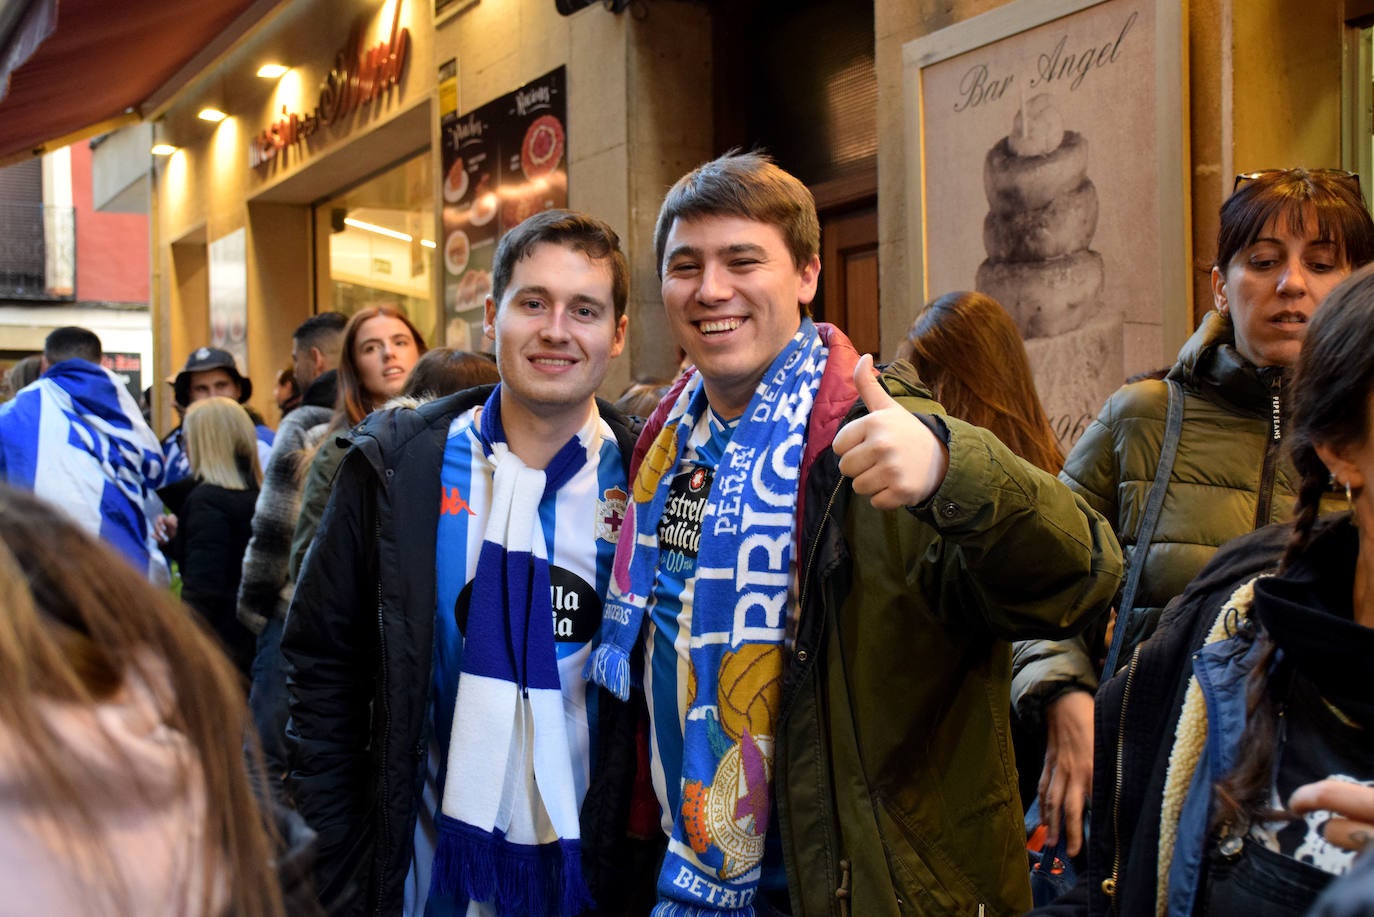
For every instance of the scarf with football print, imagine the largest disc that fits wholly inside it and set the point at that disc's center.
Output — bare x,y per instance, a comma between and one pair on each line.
740,611
508,639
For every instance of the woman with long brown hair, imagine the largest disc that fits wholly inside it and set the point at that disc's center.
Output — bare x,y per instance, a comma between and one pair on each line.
380,348
123,786
966,348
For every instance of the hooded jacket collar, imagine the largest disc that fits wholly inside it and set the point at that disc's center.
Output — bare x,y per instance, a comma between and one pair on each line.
1210,363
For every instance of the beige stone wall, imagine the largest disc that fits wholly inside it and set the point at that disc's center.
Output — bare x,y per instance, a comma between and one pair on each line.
1264,91
209,189
639,115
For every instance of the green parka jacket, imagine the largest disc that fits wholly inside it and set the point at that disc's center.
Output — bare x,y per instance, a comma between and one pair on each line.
1231,476
895,781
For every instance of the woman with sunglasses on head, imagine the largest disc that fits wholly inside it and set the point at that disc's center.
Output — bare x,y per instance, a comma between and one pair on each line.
1287,238
1220,738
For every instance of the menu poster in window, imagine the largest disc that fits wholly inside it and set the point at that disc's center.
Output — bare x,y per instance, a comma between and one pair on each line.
502,162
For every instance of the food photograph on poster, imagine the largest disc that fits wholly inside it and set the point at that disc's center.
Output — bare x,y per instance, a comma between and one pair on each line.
1046,170
503,162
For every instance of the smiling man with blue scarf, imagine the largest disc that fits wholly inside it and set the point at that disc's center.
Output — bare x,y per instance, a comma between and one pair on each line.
820,572
443,740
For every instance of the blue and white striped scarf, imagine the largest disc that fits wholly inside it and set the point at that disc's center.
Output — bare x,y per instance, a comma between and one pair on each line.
740,610
77,438
509,832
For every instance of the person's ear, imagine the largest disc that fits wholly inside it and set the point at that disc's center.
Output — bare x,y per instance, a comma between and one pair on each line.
1343,470
1219,292
618,339
489,319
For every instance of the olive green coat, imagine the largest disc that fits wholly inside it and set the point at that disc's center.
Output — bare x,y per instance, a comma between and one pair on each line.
896,784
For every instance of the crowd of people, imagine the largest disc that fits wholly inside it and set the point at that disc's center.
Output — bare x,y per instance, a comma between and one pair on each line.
790,634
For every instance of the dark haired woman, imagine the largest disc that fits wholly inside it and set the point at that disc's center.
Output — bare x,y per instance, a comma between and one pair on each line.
1286,238
1256,681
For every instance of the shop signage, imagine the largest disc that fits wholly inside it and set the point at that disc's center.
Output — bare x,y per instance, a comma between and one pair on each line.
359,76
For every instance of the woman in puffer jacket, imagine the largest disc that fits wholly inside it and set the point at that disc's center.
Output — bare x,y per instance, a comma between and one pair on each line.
1286,239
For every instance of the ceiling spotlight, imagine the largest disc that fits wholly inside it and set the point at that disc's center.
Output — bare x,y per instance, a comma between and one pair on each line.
211,114
163,149
271,71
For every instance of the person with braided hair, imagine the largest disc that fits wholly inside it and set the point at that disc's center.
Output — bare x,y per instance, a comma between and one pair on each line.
1256,679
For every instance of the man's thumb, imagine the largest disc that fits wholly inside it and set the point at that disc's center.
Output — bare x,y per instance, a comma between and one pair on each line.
870,389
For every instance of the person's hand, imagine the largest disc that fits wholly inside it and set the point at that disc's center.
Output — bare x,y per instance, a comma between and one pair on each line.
164,528
1067,780
892,458
1352,804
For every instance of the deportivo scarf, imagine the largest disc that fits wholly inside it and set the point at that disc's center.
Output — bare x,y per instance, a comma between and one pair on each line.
510,768
739,620
77,438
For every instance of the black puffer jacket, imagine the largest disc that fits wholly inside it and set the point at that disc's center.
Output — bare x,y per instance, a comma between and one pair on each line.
358,646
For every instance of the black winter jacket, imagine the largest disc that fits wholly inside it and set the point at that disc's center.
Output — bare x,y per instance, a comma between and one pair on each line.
213,534
358,646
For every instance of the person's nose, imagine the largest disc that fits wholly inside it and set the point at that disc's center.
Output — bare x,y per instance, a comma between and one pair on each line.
555,327
1293,279
714,286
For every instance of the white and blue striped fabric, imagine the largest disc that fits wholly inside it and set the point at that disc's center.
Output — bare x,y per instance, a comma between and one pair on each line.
577,526
77,439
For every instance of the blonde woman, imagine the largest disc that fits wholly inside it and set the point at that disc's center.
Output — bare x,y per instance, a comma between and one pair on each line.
123,787
216,518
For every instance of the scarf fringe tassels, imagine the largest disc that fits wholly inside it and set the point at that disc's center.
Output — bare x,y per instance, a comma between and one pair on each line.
515,879
609,666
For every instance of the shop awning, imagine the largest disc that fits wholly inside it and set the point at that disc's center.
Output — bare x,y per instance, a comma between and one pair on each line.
73,68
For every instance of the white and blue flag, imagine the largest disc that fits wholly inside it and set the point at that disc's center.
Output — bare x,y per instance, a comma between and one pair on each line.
77,439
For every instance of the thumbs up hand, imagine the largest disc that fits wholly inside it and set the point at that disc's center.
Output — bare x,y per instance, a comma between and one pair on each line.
891,456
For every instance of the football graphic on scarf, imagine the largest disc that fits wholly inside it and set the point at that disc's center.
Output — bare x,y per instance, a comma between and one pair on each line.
750,689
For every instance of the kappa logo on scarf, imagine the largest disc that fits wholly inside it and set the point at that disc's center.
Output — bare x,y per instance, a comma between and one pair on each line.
610,514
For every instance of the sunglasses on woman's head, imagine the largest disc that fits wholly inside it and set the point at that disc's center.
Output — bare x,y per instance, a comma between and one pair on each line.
1339,174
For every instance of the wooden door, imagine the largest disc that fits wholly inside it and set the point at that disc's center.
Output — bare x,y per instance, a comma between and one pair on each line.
849,275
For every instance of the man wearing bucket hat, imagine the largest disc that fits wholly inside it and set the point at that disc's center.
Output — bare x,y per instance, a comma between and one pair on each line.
209,372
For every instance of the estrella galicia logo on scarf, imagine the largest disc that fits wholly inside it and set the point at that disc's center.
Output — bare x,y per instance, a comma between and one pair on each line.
679,528
576,608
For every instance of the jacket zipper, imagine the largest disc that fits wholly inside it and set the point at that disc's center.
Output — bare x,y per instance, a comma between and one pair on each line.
1272,447
815,544
386,727
1109,884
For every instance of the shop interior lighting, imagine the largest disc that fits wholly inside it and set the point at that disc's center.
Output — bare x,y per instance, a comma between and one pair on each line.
389,233
163,149
271,71
213,115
